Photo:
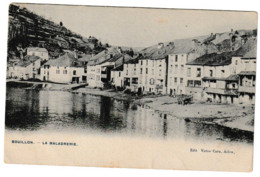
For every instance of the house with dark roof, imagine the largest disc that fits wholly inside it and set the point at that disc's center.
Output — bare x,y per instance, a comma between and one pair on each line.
247,77
117,76
216,77
65,69
131,74
28,68
100,66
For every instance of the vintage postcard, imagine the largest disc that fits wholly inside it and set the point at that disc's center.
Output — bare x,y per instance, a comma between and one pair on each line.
130,87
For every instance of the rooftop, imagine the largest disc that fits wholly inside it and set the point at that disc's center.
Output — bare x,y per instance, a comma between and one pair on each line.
119,68
213,59
232,77
179,46
38,49
66,60
104,56
27,61
248,73
248,50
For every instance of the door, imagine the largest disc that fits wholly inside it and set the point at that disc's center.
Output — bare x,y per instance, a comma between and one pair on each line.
171,92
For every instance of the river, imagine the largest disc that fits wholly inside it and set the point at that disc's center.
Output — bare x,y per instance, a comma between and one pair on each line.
35,110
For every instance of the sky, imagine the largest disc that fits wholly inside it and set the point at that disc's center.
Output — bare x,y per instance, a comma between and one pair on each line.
142,27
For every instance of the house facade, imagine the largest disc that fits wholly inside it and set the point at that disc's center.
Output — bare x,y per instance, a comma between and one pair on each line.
152,75
28,68
177,74
37,51
65,69
117,76
131,75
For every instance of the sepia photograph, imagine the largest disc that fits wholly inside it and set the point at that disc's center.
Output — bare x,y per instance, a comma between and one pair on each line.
127,87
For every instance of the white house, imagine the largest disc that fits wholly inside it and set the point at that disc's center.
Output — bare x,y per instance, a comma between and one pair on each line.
117,76
28,68
131,74
152,75
247,76
37,51
177,73
100,66
65,69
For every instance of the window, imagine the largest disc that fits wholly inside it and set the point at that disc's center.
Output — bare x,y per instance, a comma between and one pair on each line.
211,73
146,70
146,62
182,68
181,81
119,74
198,74
175,80
236,62
141,71
190,83
64,71
189,72
85,70
197,83
152,71
134,71
222,73
176,58
176,69
127,72
135,81
141,62
57,71
127,65
74,72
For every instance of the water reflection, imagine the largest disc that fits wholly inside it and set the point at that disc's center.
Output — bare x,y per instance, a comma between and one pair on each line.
57,110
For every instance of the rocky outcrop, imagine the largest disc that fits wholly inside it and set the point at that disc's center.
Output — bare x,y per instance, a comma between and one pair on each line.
29,29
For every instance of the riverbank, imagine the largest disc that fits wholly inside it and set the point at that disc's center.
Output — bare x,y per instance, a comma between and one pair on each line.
228,115
107,93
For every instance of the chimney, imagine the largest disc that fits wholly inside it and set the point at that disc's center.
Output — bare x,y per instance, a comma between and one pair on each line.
119,49
123,59
160,45
75,54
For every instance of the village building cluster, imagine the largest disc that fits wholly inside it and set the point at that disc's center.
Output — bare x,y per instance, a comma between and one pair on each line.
172,69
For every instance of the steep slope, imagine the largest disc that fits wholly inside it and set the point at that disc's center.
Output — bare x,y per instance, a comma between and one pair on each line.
29,29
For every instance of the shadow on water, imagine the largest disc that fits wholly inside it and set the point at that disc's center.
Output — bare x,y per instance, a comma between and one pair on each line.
32,110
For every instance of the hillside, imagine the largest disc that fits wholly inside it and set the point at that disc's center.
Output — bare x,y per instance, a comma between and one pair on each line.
29,29
199,46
